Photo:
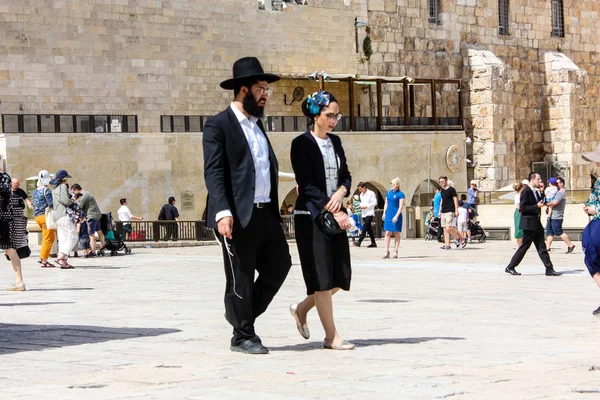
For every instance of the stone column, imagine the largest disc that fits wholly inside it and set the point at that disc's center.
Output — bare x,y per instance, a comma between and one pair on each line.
491,112
562,94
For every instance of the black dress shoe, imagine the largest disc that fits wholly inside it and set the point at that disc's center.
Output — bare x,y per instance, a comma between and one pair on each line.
372,245
596,312
511,271
250,347
551,272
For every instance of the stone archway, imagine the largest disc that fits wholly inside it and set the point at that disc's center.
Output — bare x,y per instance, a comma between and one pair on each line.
428,186
379,190
290,198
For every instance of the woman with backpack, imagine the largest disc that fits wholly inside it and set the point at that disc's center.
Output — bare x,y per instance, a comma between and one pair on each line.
66,228
42,201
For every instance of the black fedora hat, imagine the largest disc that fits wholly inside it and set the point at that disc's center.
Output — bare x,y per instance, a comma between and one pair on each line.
248,68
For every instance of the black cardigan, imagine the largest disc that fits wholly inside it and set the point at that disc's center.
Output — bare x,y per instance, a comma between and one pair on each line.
307,163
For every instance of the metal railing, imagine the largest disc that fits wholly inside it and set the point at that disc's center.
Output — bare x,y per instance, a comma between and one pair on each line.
153,231
289,228
505,197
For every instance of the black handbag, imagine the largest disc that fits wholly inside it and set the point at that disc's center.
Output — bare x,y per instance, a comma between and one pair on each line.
327,224
22,252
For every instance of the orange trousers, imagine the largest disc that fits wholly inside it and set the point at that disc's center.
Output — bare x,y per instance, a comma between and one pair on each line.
48,236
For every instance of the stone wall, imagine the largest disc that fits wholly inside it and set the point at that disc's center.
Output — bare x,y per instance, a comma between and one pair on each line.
150,57
148,168
153,58
405,43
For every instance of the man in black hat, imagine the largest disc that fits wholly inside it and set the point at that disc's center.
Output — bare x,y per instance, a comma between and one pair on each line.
241,174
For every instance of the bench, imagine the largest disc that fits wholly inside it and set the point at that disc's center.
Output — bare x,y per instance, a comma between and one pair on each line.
573,233
498,233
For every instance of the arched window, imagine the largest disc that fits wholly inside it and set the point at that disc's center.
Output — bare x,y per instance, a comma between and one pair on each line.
558,19
503,20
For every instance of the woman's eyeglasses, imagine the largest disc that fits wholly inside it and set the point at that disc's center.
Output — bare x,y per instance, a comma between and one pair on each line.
333,117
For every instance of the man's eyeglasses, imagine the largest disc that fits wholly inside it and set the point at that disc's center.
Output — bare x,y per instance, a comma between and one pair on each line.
333,117
265,91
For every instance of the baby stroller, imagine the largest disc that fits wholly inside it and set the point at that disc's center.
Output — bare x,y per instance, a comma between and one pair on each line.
432,226
477,230
114,240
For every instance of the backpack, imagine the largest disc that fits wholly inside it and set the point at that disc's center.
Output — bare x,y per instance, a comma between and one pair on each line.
162,214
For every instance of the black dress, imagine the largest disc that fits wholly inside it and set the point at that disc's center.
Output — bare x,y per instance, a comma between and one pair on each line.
325,260
13,224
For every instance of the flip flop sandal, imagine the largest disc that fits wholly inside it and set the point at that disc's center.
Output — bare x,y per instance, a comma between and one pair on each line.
47,265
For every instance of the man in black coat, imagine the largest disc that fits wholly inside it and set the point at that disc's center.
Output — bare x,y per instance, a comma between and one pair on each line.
530,205
241,174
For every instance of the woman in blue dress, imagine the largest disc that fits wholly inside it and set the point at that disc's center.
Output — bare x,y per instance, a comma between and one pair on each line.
392,217
591,234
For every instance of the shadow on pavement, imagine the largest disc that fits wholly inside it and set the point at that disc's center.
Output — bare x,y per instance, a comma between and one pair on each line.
364,343
16,338
33,303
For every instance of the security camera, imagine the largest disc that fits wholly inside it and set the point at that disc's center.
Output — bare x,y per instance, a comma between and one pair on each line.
313,76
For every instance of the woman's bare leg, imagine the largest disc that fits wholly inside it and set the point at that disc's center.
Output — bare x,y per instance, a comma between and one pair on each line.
324,304
396,241
16,264
386,241
307,304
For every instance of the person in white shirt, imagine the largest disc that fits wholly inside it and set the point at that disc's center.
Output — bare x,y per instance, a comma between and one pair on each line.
368,202
125,216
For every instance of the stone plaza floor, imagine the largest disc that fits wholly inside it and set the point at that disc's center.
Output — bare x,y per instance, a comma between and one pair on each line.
431,324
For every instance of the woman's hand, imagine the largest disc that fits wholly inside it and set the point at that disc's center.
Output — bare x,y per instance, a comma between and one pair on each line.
590,210
343,220
395,219
335,202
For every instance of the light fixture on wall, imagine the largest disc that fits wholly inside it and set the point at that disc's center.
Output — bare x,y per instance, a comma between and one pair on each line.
358,24
313,76
297,96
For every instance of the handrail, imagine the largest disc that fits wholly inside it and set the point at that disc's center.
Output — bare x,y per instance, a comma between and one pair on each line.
147,231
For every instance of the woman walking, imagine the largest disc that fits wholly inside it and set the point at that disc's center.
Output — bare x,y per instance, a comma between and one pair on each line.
518,187
319,162
392,217
591,234
42,200
13,230
65,228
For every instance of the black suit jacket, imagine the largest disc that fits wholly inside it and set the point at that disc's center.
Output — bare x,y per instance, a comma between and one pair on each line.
309,168
530,212
229,170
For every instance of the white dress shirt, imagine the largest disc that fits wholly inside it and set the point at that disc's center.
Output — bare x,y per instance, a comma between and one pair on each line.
368,199
124,214
259,148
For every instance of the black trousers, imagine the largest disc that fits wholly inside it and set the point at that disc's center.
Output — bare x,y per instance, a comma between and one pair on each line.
367,228
171,230
537,238
261,247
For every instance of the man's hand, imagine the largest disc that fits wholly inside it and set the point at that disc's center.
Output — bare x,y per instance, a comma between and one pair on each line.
225,226
456,213
541,204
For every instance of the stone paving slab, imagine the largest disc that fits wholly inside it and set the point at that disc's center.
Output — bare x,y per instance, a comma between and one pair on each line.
431,324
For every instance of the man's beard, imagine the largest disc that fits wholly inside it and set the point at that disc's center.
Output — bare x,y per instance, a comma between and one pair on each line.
251,106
